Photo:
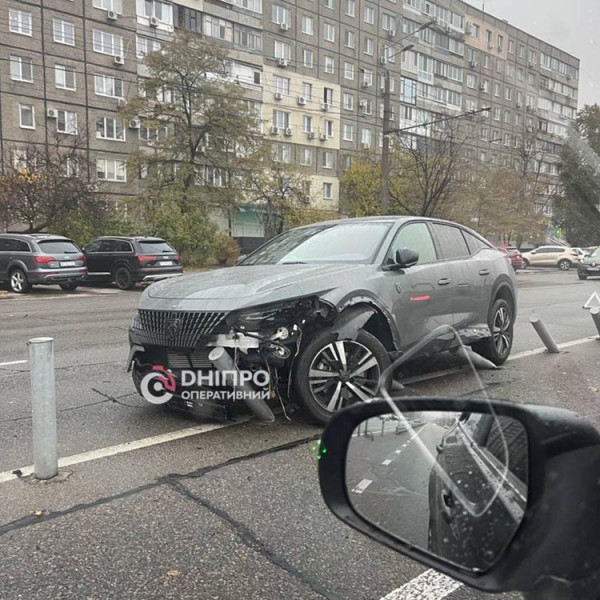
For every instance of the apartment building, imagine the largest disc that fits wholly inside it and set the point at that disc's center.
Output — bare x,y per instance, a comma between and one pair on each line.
315,67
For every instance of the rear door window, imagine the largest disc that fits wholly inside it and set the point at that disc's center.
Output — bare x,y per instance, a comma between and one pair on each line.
123,246
58,247
475,244
451,241
155,247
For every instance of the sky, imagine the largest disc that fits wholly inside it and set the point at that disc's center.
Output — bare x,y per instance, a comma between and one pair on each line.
572,26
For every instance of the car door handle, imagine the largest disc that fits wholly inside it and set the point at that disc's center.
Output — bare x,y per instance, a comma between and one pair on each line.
448,506
484,272
444,281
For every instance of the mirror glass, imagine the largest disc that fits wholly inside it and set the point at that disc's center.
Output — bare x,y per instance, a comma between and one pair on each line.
453,484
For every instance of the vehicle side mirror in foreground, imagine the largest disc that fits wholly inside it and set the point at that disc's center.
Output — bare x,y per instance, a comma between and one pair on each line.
405,257
499,496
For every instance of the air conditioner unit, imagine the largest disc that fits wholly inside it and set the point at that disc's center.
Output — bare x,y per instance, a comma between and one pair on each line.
391,33
383,60
473,64
531,64
366,84
284,26
519,105
282,62
119,60
289,131
134,124
323,137
362,104
482,88
154,22
301,100
365,145
274,130
278,96
311,135
569,77
121,102
325,106
529,129
111,15
52,113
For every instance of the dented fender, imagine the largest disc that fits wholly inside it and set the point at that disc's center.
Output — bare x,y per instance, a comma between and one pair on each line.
351,321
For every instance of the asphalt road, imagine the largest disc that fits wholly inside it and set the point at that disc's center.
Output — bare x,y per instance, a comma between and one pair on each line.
229,513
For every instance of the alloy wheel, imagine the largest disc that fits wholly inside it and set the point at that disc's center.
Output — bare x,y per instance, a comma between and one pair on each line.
343,372
17,281
501,330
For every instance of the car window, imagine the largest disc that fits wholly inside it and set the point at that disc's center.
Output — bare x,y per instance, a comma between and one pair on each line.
93,246
451,241
155,247
107,246
474,243
417,237
58,247
122,246
9,245
4,245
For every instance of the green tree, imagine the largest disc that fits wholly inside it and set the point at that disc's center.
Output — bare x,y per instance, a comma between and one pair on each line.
360,188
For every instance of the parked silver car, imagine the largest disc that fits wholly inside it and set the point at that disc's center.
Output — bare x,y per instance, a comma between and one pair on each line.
325,307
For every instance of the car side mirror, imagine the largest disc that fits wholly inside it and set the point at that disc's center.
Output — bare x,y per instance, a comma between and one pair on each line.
405,258
509,486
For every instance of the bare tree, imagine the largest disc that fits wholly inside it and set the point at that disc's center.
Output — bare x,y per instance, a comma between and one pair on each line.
43,185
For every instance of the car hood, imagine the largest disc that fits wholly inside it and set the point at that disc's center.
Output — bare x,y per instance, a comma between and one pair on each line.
588,260
237,287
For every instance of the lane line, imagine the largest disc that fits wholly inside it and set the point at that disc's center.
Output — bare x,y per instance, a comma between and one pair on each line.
162,438
527,353
429,585
386,462
362,486
14,362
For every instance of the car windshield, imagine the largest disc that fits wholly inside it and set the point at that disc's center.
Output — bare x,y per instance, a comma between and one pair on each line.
325,243
596,253
58,247
155,247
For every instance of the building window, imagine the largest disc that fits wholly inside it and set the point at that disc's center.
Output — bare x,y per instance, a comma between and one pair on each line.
308,25
64,32
153,134
281,153
252,5
350,7
217,28
66,122
282,50
471,81
348,101
497,113
350,39
369,46
281,119
508,94
328,191
107,43
106,85
281,15
511,46
408,91
307,124
163,11
308,58
116,5
247,37
111,170
327,159
366,136
328,128
348,132
20,22
328,32
110,129
306,157
307,90
328,96
145,46
500,43
329,65
497,89
281,85
369,15
348,70
21,69
328,4
388,23
27,116
64,77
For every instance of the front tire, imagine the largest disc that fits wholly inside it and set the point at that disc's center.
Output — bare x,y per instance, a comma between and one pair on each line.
123,278
18,282
564,264
331,374
500,321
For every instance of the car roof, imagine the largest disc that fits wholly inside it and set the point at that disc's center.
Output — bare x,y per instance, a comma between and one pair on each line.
129,238
35,236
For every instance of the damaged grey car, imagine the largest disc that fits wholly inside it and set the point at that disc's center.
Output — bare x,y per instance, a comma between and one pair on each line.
323,310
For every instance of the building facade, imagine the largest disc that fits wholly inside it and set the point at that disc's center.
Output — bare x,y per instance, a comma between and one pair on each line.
316,67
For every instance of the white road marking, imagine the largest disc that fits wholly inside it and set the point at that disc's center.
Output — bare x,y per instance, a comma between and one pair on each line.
84,457
429,585
527,353
13,362
362,486
386,462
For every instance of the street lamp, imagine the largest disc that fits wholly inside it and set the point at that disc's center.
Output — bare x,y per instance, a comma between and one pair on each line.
385,150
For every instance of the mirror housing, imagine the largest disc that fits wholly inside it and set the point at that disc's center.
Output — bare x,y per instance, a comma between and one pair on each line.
405,258
557,545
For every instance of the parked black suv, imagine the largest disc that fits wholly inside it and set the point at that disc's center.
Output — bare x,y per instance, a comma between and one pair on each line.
129,260
28,259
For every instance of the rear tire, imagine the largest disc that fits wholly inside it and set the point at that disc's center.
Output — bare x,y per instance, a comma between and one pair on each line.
123,278
500,321
68,287
331,374
18,282
564,264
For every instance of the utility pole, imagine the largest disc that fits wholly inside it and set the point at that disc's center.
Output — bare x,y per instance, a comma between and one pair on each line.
385,150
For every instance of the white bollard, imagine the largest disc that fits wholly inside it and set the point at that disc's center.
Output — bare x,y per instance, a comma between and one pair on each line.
43,407
595,312
544,334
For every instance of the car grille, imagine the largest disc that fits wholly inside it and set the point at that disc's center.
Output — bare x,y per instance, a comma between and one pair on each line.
175,329
196,360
